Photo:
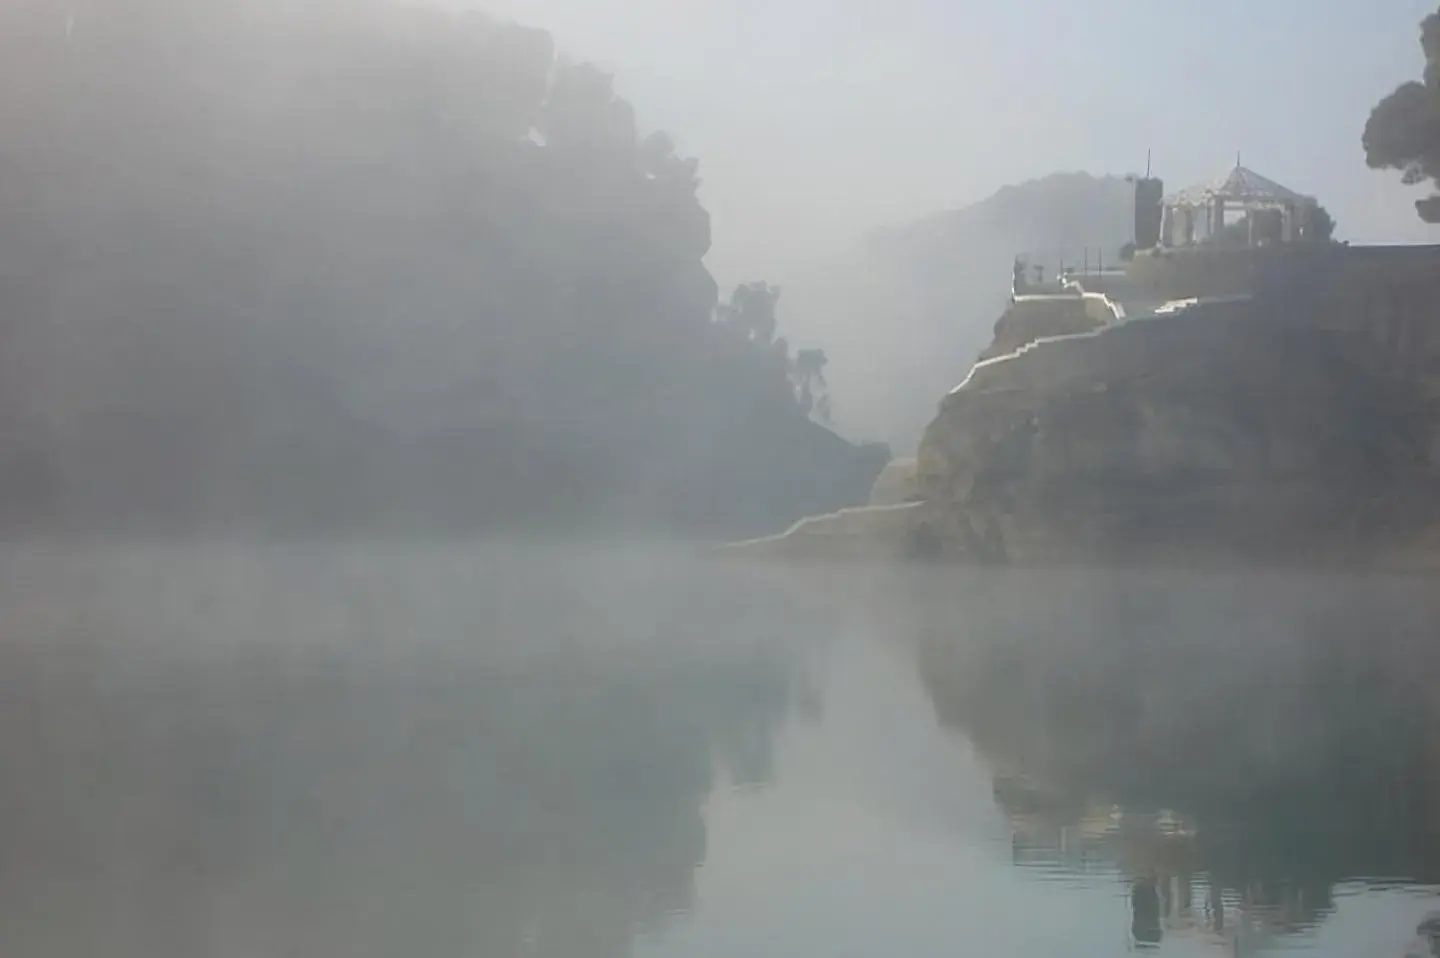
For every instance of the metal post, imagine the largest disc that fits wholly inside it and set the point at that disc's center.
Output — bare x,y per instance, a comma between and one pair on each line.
1135,206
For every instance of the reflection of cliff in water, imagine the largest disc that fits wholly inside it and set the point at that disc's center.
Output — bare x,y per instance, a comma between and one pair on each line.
1236,748
379,760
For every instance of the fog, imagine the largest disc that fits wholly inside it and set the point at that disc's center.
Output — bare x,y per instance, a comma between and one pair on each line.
820,125
334,266
374,377
359,750
873,115
164,140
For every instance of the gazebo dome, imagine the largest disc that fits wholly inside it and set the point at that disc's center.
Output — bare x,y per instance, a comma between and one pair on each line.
1272,213
1241,186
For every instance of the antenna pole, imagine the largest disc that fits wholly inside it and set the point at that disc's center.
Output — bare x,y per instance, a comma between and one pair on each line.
1147,164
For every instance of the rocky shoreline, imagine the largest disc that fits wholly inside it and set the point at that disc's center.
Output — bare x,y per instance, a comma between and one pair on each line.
1294,428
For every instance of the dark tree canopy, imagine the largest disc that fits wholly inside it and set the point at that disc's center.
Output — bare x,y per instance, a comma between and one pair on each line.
338,263
1265,226
1320,228
1403,132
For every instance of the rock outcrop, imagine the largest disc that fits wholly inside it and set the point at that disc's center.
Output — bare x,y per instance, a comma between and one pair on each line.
896,484
1038,317
1282,429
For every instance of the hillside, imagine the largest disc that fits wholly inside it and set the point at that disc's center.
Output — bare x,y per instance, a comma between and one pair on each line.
354,267
903,315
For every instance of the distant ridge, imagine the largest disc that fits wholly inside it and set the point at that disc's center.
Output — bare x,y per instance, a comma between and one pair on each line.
904,314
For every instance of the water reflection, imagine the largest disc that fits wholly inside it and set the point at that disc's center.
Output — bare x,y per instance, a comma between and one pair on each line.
1235,749
219,754
503,752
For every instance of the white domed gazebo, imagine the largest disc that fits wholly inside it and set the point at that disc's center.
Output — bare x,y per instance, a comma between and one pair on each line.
1197,214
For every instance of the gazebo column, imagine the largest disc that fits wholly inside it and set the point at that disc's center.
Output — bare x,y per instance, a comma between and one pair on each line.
1287,223
1217,218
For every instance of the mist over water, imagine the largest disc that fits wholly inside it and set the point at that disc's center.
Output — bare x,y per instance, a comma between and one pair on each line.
365,750
348,348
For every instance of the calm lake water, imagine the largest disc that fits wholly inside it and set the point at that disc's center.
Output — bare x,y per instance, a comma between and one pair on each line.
446,751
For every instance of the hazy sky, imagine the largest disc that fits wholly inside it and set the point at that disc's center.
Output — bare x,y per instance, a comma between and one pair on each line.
816,120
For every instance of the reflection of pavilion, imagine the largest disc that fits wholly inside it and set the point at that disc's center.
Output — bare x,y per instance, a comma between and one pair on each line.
1176,887
1295,758
1269,212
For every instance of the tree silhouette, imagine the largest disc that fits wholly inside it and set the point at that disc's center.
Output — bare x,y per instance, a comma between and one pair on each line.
1403,132
417,269
751,312
1320,228
1265,226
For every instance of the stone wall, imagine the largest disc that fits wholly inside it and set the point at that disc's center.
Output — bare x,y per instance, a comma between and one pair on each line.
1186,273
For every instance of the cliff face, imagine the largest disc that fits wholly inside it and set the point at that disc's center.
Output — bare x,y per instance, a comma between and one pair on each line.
1283,429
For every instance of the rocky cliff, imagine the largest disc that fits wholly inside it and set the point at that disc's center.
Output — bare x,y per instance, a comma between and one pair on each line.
1032,318
1284,429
